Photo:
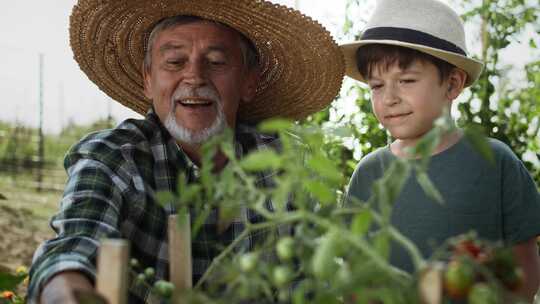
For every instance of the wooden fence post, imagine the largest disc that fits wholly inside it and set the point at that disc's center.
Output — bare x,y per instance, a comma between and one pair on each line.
113,270
180,254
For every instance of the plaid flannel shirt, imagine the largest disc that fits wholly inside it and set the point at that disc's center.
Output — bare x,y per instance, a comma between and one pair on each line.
110,193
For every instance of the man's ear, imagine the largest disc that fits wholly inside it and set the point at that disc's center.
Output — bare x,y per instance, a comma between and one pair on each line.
250,86
147,83
456,83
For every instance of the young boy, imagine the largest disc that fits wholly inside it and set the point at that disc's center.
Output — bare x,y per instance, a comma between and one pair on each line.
413,57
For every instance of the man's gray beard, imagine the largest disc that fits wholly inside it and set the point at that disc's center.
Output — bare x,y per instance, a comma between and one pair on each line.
187,136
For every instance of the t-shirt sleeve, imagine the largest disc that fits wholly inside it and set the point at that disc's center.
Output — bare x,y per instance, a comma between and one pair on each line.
520,199
368,170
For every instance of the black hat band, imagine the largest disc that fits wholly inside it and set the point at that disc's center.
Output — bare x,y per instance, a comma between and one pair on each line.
411,36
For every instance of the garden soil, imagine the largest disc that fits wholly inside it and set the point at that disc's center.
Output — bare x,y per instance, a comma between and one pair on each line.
20,234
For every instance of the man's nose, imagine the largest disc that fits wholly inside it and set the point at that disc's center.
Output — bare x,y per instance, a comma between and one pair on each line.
195,73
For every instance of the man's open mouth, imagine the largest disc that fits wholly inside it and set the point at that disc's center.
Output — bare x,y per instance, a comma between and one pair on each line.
195,102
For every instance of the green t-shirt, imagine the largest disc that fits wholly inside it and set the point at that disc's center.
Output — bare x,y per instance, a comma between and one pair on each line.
500,202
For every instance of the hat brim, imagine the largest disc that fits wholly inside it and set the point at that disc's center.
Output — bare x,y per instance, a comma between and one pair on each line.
301,66
472,67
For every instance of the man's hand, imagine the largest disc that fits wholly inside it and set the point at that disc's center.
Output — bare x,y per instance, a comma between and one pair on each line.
61,288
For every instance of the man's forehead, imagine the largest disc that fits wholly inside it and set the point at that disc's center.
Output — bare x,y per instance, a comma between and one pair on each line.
178,45
207,28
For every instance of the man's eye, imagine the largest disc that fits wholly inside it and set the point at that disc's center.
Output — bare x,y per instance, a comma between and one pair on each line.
408,80
175,62
375,86
216,62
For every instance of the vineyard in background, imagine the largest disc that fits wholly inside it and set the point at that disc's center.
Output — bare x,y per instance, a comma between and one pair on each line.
31,186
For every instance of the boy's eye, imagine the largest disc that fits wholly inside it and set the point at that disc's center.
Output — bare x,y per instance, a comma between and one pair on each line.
408,80
375,86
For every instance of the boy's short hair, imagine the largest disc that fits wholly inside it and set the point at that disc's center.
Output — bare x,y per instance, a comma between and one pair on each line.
383,56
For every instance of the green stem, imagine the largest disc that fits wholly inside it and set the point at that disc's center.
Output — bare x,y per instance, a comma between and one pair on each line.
360,244
222,255
292,217
413,251
411,248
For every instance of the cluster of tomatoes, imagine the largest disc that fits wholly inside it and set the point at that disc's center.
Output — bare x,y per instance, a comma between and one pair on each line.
479,272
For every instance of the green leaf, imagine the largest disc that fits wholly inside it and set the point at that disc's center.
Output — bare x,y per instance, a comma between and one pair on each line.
427,144
532,43
227,213
261,160
480,143
320,190
10,281
395,178
325,168
323,261
199,221
381,243
165,197
181,183
280,196
361,222
191,194
428,187
275,125
380,194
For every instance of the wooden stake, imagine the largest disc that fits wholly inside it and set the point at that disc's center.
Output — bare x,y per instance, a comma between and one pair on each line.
430,285
180,254
113,267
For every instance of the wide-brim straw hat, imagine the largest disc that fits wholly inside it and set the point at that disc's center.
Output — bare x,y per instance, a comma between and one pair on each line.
301,66
428,26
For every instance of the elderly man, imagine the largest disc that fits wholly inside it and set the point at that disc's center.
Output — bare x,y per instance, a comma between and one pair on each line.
206,65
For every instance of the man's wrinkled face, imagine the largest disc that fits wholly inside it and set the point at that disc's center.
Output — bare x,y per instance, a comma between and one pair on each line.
197,79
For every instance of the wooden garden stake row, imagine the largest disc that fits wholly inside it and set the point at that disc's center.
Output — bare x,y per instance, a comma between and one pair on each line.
113,263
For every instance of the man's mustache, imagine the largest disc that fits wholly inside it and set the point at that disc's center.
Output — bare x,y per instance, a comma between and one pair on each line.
185,92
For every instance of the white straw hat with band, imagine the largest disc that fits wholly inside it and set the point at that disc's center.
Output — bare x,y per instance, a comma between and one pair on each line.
428,26
301,66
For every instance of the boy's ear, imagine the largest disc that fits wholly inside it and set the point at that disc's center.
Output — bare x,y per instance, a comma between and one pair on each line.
456,83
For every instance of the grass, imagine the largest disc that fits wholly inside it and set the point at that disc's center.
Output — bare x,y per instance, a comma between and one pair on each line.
21,195
24,218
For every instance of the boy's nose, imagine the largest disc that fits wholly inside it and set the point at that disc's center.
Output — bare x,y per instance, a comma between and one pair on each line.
391,96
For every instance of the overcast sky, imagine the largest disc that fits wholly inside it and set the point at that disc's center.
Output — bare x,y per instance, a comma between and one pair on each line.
31,27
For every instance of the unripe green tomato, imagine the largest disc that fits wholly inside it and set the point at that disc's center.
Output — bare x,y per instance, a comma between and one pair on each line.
282,275
134,263
344,274
323,262
283,296
482,293
248,262
164,288
285,248
149,272
458,279
140,278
